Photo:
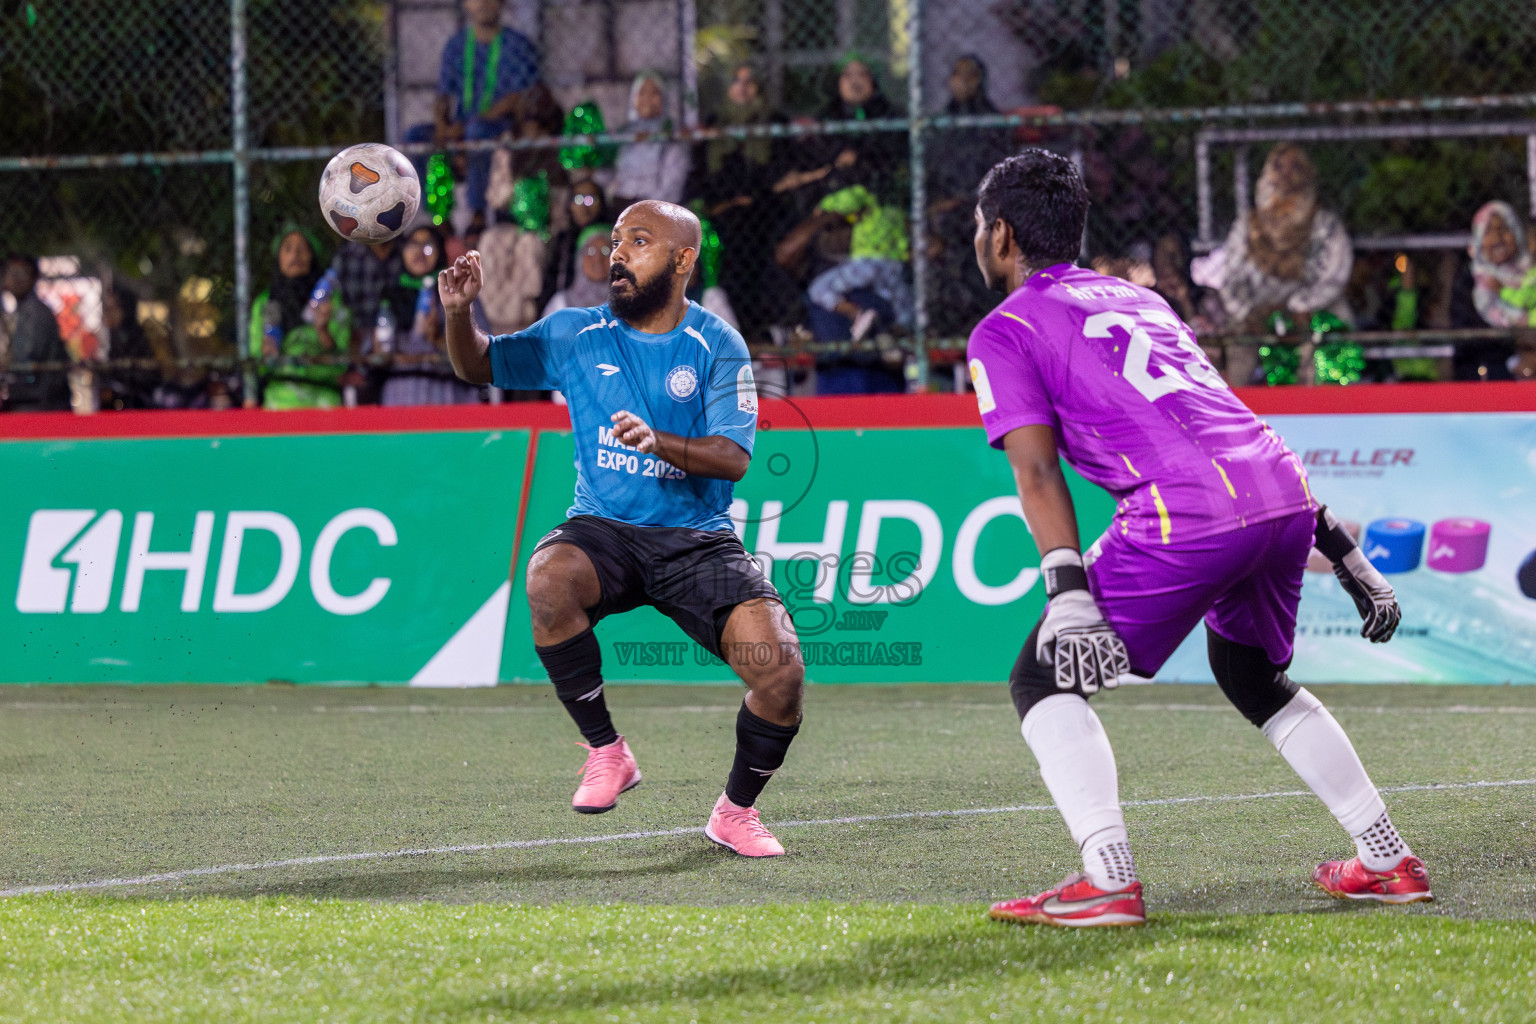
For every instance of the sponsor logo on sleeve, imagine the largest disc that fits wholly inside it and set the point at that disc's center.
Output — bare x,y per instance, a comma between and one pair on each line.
746,391
984,400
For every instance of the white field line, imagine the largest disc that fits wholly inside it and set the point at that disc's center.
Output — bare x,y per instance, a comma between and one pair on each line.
503,709
530,844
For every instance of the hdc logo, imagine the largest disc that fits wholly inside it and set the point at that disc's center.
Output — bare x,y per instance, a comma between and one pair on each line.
89,542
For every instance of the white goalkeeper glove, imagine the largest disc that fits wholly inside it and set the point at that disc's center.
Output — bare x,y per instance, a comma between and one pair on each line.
1074,638
1373,595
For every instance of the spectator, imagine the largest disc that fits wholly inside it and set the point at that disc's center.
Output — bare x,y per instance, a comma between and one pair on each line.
363,273
512,259
867,292
415,381
704,283
1288,254
737,191
743,105
870,289
1199,307
649,169
875,160
1503,294
1500,262
485,70
958,159
524,181
513,249
591,285
562,262
130,387
34,338
282,310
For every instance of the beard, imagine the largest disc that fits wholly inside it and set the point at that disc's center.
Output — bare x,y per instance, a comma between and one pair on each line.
643,299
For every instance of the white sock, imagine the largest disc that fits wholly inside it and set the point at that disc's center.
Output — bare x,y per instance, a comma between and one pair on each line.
1310,739
1078,767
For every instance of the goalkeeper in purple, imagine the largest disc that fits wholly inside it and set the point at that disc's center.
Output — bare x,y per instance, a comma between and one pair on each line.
1214,520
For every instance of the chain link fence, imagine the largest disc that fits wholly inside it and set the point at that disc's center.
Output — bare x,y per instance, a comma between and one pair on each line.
154,150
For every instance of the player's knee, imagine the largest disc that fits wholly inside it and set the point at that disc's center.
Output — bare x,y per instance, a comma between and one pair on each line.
1256,686
780,686
1030,682
553,585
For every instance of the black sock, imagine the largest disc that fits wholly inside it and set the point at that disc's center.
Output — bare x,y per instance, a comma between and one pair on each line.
760,749
575,666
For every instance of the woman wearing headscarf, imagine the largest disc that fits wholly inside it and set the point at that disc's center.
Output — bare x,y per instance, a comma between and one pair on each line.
1286,254
562,258
590,288
649,169
958,158
831,162
1486,293
1500,261
281,335
409,383
737,191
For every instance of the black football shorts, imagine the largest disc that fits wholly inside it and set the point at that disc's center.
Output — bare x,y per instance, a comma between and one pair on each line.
694,577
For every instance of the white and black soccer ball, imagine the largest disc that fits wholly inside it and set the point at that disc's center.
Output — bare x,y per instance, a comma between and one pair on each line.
369,193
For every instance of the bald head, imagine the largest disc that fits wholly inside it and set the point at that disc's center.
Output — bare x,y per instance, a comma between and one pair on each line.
655,247
668,222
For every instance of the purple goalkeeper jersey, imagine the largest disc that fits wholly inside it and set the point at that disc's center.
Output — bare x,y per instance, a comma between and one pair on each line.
1136,406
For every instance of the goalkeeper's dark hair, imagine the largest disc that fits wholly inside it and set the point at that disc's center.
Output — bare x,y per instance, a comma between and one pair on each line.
1041,196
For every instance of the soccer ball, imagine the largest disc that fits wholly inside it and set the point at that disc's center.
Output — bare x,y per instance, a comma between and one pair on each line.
369,193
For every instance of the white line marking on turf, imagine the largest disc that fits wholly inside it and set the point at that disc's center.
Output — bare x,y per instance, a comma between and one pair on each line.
531,844
503,709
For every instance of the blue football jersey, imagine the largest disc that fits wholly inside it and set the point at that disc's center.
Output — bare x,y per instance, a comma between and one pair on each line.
694,381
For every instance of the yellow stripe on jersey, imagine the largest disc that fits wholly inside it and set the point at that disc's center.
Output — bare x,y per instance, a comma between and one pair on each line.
1162,514
1306,487
1224,479
1128,465
1020,319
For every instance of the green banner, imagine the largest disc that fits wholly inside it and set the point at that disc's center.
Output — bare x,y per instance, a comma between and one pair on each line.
902,555
378,558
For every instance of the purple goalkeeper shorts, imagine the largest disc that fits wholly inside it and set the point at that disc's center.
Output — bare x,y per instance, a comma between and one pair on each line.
1246,584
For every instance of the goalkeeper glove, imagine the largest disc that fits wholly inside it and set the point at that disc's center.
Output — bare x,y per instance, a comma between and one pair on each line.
1074,638
1373,595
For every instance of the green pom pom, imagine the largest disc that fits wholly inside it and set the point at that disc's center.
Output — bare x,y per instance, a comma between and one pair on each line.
585,119
439,190
530,204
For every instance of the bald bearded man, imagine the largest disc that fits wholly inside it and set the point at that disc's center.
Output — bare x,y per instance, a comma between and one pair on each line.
664,411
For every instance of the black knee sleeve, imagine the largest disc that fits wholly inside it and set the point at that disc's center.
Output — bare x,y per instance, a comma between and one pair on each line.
1031,682
1256,686
575,666
760,749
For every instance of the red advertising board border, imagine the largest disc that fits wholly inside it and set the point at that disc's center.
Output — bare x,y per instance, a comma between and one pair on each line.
851,412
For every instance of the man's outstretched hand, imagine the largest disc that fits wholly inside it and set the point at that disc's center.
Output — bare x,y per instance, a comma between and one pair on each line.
632,430
459,285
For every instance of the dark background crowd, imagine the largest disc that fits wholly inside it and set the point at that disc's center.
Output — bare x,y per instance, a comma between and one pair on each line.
807,251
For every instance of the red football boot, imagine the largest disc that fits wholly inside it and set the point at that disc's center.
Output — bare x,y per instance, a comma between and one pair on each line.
1351,880
1076,903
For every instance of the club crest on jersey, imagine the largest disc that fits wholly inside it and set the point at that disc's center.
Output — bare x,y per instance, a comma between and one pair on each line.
682,382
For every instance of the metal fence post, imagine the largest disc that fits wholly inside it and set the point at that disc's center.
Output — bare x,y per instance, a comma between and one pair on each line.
918,373
242,185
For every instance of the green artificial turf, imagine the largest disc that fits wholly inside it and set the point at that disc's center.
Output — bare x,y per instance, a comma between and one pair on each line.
299,960
103,784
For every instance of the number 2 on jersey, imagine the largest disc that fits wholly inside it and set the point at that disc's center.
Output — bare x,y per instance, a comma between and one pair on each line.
1138,353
